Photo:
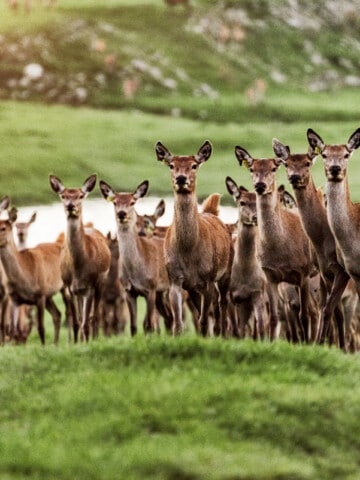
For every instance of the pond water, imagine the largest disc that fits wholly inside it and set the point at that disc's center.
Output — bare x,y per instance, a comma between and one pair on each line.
51,220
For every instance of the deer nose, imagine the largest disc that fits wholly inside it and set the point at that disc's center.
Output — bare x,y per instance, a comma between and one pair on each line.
260,187
335,170
121,215
181,180
294,179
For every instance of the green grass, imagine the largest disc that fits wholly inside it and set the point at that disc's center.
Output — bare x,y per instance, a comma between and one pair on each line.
72,143
184,408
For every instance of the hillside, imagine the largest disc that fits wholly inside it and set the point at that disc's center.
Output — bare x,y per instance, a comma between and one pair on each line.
220,61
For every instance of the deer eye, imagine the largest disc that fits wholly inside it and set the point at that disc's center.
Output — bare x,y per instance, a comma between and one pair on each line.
347,155
324,155
274,169
171,166
242,204
251,170
194,166
308,164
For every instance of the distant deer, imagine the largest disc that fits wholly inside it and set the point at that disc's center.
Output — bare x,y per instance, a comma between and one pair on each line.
33,275
198,248
313,216
142,267
22,231
284,250
248,281
147,223
86,257
114,295
343,215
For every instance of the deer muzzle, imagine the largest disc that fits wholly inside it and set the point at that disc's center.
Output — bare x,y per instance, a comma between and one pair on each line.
260,188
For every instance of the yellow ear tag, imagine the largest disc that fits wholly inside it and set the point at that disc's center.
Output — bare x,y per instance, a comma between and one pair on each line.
317,150
247,165
110,199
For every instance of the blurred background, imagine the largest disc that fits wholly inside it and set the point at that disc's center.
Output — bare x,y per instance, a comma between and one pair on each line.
90,86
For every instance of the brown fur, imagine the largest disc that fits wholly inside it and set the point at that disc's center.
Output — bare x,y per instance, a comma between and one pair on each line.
198,248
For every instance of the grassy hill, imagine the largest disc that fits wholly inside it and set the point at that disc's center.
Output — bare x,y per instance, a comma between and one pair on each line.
184,408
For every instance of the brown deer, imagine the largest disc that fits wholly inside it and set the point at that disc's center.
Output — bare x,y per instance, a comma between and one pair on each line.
33,275
142,267
198,247
284,249
147,223
248,281
22,231
343,215
314,220
115,310
85,260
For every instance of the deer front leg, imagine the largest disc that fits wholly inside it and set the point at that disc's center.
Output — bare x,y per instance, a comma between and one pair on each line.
132,306
85,315
40,319
176,303
274,311
56,317
150,320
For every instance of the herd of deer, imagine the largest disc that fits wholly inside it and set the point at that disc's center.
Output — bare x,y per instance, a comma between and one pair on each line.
280,271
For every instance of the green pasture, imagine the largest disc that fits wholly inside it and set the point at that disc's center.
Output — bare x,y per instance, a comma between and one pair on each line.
72,143
183,408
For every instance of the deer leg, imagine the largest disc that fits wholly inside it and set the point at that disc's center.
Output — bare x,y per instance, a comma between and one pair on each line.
206,303
56,317
131,301
150,321
260,314
4,310
176,303
305,307
85,315
97,319
40,319
274,313
244,314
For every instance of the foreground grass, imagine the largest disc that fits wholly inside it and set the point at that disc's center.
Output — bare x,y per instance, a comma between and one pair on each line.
184,408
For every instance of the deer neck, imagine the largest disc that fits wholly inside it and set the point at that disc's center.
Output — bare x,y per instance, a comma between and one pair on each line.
245,244
269,220
186,220
312,211
11,261
76,238
340,209
128,241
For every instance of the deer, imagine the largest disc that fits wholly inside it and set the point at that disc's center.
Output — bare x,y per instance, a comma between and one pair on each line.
33,276
285,253
22,231
85,261
343,215
248,281
147,223
142,266
115,311
313,216
198,248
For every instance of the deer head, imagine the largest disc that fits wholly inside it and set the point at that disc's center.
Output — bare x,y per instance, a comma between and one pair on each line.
298,166
183,168
72,198
6,226
245,201
124,203
262,170
335,156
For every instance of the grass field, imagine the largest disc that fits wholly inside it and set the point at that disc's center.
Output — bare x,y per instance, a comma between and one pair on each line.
158,407
184,408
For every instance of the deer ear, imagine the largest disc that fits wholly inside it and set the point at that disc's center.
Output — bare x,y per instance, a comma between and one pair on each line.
13,215
141,190
243,156
204,152
232,188
160,209
354,141
315,142
162,153
89,184
4,203
280,150
33,218
56,184
107,191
